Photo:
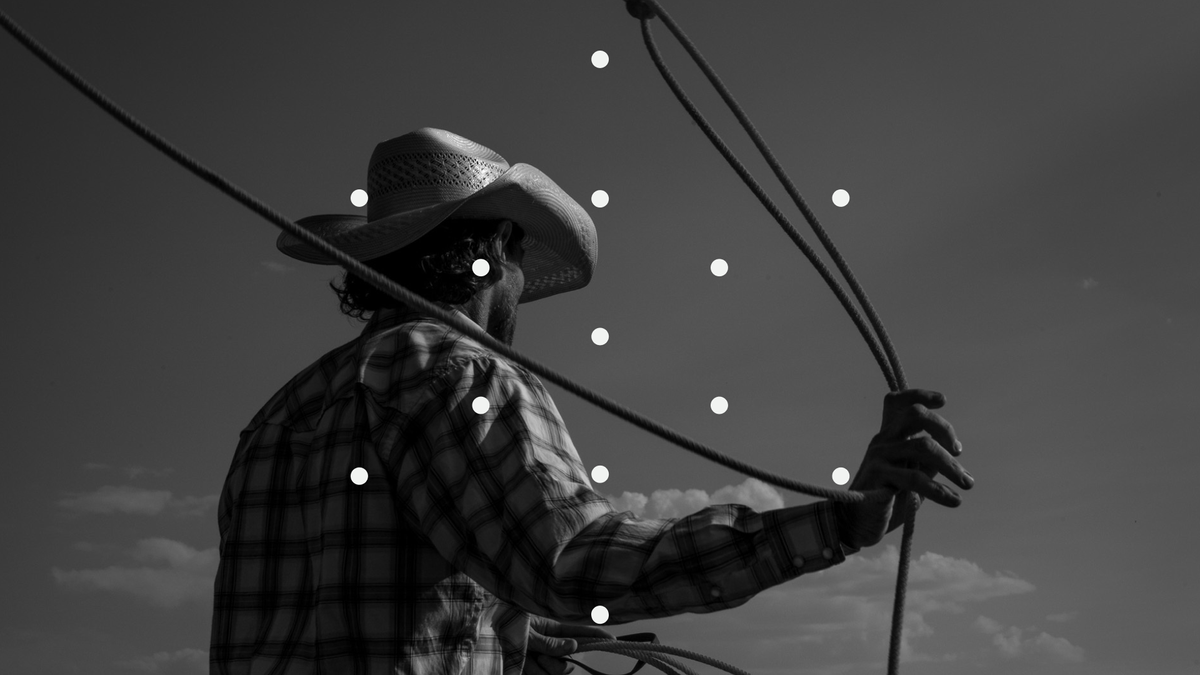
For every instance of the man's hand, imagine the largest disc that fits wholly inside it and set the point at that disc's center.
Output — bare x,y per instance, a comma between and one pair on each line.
901,458
549,639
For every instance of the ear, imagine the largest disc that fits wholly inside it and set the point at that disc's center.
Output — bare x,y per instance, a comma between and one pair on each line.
505,231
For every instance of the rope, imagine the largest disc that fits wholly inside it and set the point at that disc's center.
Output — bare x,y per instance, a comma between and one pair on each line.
644,11
402,294
651,654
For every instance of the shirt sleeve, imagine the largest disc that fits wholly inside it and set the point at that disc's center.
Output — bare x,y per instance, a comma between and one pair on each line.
503,496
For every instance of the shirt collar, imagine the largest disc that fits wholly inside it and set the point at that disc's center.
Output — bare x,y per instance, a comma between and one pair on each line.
388,318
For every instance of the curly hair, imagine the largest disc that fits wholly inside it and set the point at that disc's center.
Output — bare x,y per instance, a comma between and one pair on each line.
436,267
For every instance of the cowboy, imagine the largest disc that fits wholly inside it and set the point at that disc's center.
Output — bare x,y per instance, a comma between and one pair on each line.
411,503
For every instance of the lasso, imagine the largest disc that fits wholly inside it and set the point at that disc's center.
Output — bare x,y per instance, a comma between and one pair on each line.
644,10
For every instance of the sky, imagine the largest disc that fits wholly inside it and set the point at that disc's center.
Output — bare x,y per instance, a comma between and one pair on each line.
1024,200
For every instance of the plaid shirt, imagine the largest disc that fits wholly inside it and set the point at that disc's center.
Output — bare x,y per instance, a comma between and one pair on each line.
466,524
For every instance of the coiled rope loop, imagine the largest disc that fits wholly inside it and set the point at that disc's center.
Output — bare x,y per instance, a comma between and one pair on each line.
398,292
644,10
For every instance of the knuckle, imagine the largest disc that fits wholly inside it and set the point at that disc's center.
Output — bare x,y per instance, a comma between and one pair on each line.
926,441
929,445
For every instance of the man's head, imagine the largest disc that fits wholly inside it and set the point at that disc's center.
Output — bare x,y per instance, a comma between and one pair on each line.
438,267
419,183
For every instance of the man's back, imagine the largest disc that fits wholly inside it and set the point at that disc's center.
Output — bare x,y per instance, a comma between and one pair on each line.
320,574
467,521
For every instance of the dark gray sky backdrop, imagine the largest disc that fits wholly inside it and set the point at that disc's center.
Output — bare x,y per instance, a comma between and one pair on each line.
1023,183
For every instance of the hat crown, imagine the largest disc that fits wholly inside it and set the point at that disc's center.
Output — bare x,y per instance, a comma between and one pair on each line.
427,167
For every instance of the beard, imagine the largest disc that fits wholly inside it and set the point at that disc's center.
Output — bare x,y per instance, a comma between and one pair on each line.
502,322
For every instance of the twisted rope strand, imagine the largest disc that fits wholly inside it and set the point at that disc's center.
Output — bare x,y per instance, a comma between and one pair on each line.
645,652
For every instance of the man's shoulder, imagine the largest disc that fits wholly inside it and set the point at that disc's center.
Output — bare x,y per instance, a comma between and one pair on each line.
307,392
442,354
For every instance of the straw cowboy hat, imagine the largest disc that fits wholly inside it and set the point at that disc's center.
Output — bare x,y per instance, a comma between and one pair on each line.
421,179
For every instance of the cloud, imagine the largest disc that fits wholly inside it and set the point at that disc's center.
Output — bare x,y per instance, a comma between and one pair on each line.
131,471
1088,284
188,574
840,617
195,506
88,547
1064,617
276,267
181,661
678,503
1011,643
137,501
135,471
859,594
119,499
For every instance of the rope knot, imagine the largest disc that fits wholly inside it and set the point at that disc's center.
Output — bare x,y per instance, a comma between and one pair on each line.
639,9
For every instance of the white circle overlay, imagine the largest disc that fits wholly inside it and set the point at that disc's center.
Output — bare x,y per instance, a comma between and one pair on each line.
599,473
719,268
841,198
600,336
480,405
599,58
358,198
481,267
358,476
600,614
841,476
719,405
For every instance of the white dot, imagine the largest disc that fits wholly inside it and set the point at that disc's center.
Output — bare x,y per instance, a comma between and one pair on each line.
599,199
599,614
719,405
358,476
358,198
481,267
480,405
841,476
599,58
841,198
719,268
600,336
599,473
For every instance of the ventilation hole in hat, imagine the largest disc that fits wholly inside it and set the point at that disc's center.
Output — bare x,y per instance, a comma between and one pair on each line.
430,169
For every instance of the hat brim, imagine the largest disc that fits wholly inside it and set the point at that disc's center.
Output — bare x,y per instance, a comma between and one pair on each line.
560,238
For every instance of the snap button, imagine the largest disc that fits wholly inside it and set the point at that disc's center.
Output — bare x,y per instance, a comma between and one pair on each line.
716,592
798,561
828,553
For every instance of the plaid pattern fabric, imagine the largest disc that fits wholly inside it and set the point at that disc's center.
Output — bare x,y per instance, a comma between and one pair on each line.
467,522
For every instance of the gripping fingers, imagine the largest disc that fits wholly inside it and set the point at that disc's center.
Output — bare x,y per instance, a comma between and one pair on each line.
908,412
933,490
910,397
930,455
